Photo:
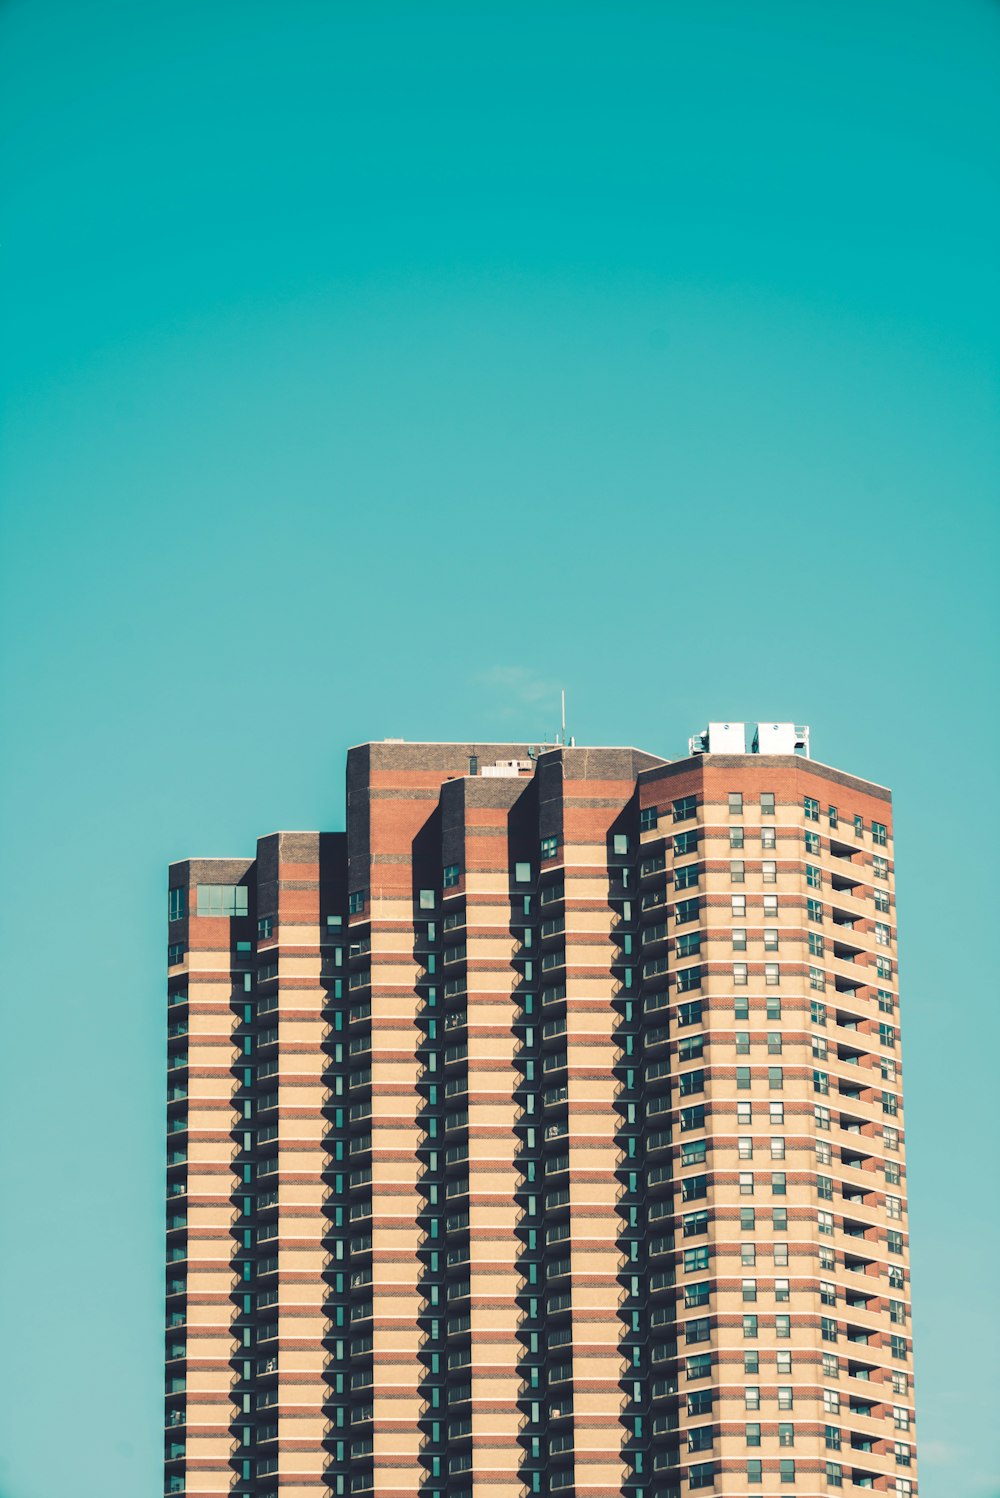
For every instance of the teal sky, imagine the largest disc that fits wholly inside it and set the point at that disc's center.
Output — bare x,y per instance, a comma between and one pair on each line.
377,369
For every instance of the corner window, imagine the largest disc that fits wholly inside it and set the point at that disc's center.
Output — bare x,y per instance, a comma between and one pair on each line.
684,808
176,900
356,901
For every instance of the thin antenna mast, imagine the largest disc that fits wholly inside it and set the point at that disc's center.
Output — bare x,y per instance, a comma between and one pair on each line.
562,694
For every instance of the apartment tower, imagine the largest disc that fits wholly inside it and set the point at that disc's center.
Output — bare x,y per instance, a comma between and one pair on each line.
543,1134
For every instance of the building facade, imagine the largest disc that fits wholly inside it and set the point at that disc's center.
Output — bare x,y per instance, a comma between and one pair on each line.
543,1134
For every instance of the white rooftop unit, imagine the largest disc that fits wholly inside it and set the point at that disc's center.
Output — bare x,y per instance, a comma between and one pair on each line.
508,767
781,738
720,738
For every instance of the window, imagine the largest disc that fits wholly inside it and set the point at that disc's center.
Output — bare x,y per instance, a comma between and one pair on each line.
693,1118
778,1183
816,948
772,973
689,1013
684,807
779,1219
736,873
777,1147
686,877
814,877
547,848
685,842
743,1078
770,939
695,1259
222,899
698,1366
736,837
834,1475
175,953
748,1254
768,837
880,866
176,904
812,842
751,1362
522,873
775,1078
879,832
701,1475
746,1183
739,906
749,1290
693,1223
786,1433
694,1152
747,1219
648,818
751,1398
740,971
739,939
767,803
769,871
688,978
782,1291
745,1148
749,1327
686,910
881,897
774,1043
811,808
781,1256
744,1113
753,1434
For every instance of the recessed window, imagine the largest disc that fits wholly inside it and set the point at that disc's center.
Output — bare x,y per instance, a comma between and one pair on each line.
222,899
452,874
176,904
356,901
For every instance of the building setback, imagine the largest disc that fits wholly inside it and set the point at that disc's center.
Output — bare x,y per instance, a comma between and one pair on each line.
543,1134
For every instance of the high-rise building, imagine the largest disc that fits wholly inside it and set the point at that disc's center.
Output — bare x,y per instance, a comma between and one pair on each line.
543,1133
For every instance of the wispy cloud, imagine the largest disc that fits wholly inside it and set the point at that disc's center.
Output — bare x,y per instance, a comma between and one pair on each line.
516,688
